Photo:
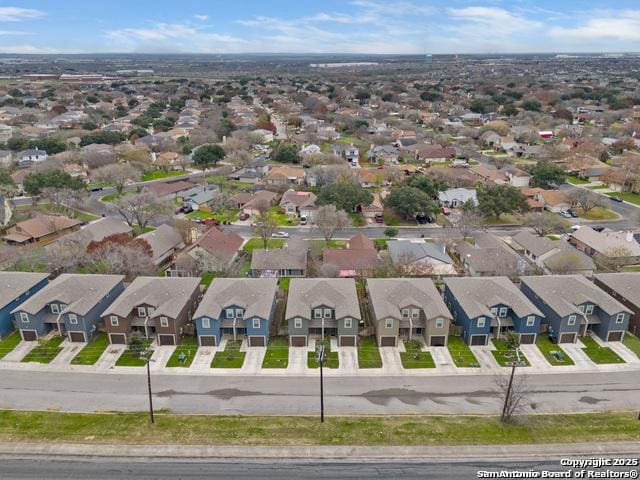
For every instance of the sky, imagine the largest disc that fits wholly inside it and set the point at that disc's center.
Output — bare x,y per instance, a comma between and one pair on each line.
311,26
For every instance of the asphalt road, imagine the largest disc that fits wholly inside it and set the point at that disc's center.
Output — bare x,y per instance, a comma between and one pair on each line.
142,469
296,395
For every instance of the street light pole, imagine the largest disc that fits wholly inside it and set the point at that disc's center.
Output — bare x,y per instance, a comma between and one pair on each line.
149,388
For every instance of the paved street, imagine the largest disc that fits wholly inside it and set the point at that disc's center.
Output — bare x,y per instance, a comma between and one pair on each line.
368,393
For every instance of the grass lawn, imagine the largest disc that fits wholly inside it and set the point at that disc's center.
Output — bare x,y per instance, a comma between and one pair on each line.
137,231
546,346
207,278
357,220
45,351
112,197
331,359
554,237
627,197
8,343
380,243
130,359
321,244
73,213
418,430
598,213
189,347
506,357
414,357
392,219
599,354
90,354
505,219
632,343
231,357
277,355
598,187
461,353
284,282
631,268
158,174
220,215
256,243
573,180
442,220
282,218
368,354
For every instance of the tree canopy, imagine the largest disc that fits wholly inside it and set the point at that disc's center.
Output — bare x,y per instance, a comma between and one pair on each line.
546,174
208,155
345,196
429,185
499,199
35,182
410,201
285,153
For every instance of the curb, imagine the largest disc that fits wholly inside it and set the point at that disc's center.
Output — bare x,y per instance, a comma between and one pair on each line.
451,453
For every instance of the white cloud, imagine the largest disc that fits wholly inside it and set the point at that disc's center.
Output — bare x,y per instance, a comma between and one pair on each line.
33,49
490,21
14,32
18,14
623,27
202,18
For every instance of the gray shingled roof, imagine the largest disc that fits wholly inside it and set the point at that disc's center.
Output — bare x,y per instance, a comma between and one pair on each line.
337,293
625,284
536,245
490,255
79,292
293,255
477,295
255,295
167,295
563,294
14,284
389,296
404,251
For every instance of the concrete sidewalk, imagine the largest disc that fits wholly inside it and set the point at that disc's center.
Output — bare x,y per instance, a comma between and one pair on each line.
320,452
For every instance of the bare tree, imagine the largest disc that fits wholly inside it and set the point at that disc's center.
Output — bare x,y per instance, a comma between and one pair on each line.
117,175
544,223
512,388
265,223
565,265
187,230
329,220
141,208
130,259
585,199
468,222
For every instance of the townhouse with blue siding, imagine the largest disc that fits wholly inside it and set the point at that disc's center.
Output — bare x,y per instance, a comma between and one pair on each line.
237,308
574,306
71,305
488,307
15,288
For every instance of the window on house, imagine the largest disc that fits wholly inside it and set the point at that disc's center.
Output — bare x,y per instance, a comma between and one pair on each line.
494,311
206,323
54,308
415,313
256,323
317,313
531,321
239,312
481,322
348,323
297,323
24,317
114,321
142,312
327,313
405,313
230,313
572,320
581,308
503,312
589,309
620,318
63,307
439,323
73,319
388,323
150,310
164,322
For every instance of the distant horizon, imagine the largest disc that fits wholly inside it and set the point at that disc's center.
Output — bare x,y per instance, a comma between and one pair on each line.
360,27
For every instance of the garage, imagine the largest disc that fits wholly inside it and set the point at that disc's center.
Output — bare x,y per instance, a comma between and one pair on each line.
527,338
438,341
387,341
255,341
568,338
77,337
347,341
298,341
615,336
478,340
29,335
166,340
117,338
207,341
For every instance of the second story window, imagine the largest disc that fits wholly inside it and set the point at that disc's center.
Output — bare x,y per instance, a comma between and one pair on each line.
589,309
572,320
327,313
24,317
239,313
114,321
481,322
531,321
297,323
256,323
73,319
164,322
206,323
54,308
142,312
620,318
494,311
415,313
317,313
230,313
440,323
503,312
388,323
348,323
405,313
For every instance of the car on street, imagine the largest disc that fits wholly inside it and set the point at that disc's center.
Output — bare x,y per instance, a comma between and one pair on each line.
379,218
280,235
616,198
244,216
573,213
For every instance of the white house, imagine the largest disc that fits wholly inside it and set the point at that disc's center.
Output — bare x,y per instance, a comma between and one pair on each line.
31,156
456,197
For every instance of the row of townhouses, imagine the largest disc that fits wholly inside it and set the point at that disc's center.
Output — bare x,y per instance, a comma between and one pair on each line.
477,309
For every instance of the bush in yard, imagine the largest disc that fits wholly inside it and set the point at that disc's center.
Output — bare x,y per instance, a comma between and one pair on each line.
391,232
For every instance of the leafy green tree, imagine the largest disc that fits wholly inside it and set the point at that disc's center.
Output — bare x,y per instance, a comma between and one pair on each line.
34,183
410,201
499,199
532,105
345,196
208,155
546,174
429,185
109,138
89,126
510,110
390,232
285,153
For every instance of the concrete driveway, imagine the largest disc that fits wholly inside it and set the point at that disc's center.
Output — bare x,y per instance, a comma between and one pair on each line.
626,354
391,363
574,350
253,360
69,350
535,357
160,357
442,358
348,357
297,360
485,358
110,356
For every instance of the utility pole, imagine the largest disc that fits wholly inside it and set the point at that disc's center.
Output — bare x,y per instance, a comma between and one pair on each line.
149,387
320,360
507,396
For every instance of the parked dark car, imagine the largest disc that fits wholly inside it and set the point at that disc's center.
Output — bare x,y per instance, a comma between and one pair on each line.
379,218
573,213
616,198
598,228
96,189
422,219
244,216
